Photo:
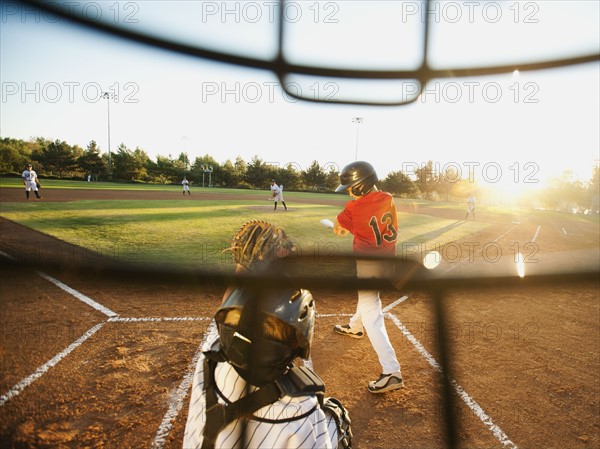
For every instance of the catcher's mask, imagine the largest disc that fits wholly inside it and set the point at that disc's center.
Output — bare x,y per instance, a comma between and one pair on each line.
262,334
359,177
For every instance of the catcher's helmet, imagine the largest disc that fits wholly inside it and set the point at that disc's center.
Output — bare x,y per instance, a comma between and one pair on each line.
359,176
260,335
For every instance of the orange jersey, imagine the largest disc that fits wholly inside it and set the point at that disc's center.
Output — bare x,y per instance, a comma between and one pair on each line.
373,221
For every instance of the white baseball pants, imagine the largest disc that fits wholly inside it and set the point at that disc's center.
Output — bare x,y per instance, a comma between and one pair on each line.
370,317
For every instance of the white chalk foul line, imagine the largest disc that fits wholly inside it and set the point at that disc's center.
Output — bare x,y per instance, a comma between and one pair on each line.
119,319
452,267
504,233
80,296
14,391
176,400
89,301
8,256
468,400
20,386
535,236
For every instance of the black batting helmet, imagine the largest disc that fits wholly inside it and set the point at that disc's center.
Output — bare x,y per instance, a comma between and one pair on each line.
262,334
359,176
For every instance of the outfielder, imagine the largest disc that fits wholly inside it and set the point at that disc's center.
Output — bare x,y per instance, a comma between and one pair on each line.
186,186
471,201
371,218
277,194
246,391
31,182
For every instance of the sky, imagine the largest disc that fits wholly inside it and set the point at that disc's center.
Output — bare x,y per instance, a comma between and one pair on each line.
512,131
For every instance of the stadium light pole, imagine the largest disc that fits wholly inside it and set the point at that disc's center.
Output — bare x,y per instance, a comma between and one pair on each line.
186,162
108,96
358,121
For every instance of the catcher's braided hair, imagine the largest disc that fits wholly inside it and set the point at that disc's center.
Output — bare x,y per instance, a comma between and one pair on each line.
257,243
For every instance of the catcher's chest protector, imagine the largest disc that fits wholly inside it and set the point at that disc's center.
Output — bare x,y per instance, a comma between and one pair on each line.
298,381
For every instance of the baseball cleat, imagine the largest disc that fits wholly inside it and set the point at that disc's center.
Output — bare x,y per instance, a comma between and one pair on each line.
344,329
386,382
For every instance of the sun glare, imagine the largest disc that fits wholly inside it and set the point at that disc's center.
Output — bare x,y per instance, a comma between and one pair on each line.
520,265
508,192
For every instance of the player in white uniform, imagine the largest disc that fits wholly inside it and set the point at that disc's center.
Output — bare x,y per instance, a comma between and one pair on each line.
30,181
471,201
186,186
277,194
244,360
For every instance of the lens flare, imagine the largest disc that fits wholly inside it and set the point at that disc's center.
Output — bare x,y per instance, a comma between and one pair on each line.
432,259
520,265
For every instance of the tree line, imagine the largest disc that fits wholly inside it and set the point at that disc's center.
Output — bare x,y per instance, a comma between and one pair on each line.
57,159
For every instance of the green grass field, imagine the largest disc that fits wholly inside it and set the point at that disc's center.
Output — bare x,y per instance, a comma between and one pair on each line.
195,232
61,184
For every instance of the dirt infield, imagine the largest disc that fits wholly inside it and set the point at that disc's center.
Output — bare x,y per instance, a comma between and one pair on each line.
105,363
61,195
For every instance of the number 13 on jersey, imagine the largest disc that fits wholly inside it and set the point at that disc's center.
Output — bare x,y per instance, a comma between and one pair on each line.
383,229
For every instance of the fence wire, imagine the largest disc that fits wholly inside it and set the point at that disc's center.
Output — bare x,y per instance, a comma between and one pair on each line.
411,275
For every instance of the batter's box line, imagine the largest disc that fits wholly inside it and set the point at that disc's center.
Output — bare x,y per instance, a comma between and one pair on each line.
80,296
119,319
395,303
71,291
466,398
384,310
20,386
177,398
156,319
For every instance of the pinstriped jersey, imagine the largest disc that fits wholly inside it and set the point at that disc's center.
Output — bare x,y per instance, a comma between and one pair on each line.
372,220
315,431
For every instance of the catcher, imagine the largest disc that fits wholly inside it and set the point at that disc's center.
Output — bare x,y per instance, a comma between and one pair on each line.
246,391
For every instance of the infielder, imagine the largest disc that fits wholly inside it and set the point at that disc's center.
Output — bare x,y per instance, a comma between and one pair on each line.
31,182
246,391
186,186
471,201
371,218
277,194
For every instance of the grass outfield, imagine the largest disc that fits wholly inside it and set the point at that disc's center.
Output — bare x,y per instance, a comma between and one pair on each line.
195,232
